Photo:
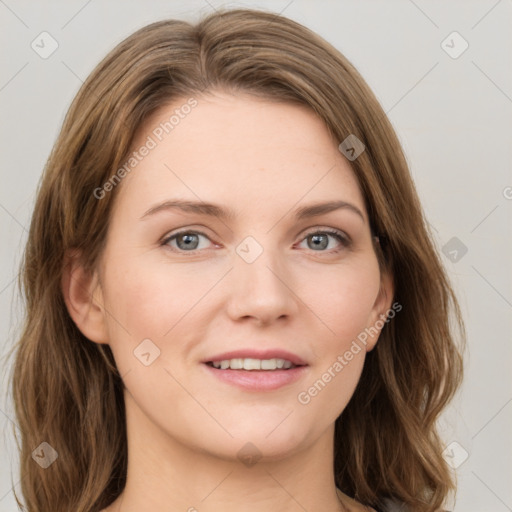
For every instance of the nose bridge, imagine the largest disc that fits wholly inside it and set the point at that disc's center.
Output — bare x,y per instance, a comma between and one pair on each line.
260,282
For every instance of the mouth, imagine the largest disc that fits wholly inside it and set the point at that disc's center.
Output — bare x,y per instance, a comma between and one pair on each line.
251,364
265,373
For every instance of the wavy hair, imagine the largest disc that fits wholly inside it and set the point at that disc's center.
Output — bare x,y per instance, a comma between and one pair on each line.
67,390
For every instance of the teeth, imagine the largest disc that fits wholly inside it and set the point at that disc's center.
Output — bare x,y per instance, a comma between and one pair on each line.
236,364
268,364
253,364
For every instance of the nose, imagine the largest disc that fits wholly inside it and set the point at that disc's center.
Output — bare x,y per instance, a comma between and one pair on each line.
261,290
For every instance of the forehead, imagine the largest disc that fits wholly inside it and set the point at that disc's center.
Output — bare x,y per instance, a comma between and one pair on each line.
239,150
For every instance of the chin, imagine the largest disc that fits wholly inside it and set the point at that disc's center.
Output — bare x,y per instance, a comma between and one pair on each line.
266,442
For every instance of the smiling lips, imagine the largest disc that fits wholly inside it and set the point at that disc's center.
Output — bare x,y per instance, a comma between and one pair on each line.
256,370
257,356
253,364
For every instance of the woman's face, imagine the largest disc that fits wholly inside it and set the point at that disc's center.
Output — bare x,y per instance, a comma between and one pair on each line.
257,276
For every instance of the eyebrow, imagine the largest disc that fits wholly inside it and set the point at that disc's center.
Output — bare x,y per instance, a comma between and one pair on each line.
214,210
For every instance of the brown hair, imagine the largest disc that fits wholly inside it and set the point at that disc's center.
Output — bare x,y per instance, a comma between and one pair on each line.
66,389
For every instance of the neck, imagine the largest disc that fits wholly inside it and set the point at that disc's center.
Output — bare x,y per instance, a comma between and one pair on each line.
167,475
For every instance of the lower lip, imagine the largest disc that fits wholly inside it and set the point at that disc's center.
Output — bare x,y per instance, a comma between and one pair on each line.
258,380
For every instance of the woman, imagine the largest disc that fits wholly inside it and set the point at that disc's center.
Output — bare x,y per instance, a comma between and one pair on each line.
233,299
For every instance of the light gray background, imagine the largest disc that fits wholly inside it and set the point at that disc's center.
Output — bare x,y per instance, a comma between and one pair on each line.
453,116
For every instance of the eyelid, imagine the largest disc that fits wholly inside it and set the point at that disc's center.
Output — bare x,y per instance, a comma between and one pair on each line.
344,239
313,229
327,229
194,228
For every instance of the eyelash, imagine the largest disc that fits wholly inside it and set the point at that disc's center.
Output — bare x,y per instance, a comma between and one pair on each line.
339,235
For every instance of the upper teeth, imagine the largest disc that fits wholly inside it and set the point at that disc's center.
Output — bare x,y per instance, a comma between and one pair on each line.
252,364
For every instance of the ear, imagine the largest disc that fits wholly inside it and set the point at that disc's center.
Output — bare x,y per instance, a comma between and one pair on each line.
380,310
84,299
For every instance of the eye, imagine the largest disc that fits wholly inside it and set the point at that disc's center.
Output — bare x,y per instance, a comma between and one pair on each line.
189,240
320,240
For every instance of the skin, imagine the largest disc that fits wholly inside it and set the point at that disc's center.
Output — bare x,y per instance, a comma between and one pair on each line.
185,427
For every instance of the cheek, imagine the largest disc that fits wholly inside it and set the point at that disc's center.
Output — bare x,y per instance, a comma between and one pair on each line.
150,299
343,299
151,322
